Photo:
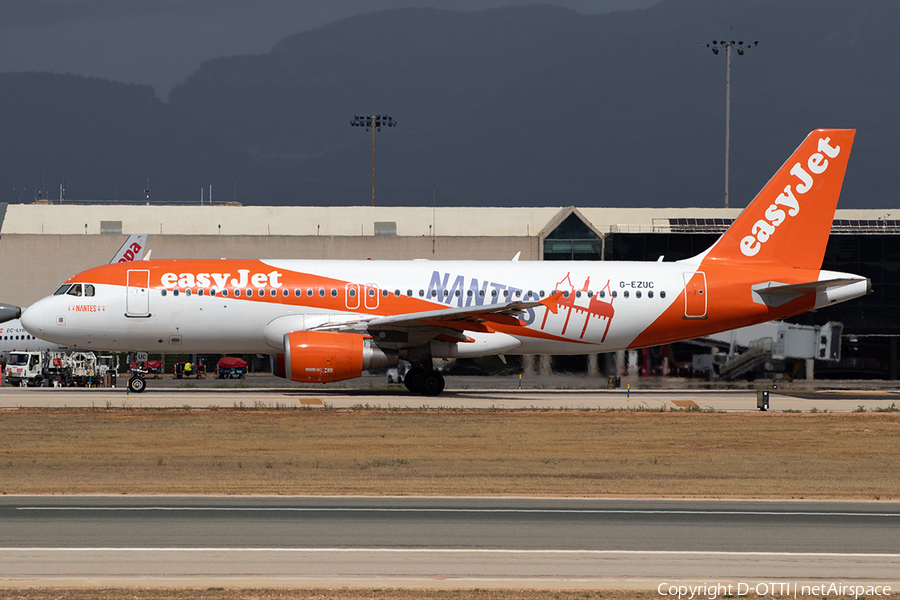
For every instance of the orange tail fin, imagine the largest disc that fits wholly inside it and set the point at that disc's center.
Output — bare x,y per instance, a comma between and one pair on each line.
790,220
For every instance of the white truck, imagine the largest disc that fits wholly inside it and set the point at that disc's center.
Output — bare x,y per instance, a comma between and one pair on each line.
58,369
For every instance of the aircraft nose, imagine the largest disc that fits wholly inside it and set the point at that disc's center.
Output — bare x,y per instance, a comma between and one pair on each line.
33,319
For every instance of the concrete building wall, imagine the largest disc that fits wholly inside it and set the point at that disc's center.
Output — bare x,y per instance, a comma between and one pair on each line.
33,266
276,220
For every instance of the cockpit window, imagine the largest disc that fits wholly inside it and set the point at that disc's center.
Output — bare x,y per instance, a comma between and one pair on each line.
62,289
75,290
88,289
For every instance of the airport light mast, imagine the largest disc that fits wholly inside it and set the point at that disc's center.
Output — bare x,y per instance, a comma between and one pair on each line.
715,46
373,122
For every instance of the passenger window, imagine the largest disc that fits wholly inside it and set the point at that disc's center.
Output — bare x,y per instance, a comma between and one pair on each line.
309,292
285,292
333,293
625,293
662,294
650,294
321,292
174,292
298,292
260,293
225,293
602,294
187,292
163,292
237,293
637,294
212,292
614,294
200,292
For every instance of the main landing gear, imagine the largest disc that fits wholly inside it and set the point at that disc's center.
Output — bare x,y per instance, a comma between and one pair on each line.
423,381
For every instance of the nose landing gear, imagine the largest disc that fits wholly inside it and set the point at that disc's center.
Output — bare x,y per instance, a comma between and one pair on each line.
137,384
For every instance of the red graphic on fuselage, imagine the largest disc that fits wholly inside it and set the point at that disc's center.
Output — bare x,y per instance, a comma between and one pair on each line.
579,302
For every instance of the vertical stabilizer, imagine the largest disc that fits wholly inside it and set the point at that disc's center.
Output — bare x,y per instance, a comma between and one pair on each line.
789,221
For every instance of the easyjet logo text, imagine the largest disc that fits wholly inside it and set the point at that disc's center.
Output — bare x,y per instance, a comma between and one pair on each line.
221,280
786,204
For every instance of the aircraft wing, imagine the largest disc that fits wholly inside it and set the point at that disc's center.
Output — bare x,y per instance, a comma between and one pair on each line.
465,318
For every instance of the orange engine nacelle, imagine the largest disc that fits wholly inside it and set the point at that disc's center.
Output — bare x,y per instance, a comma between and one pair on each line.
322,356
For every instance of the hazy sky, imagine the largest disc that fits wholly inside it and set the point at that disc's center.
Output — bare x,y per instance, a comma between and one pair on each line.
161,42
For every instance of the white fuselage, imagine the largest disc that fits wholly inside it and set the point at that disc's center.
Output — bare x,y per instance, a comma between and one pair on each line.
605,306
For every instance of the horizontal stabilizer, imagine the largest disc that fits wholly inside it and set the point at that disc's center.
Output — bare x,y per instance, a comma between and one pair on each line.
772,293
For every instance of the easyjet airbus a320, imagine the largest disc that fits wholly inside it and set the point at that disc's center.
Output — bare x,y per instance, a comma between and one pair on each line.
331,320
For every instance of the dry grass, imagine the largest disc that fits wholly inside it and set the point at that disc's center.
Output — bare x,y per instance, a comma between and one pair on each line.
325,452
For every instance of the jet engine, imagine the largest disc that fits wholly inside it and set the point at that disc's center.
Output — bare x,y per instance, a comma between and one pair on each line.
322,356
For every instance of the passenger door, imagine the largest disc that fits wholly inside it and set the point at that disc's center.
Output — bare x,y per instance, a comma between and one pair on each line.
137,294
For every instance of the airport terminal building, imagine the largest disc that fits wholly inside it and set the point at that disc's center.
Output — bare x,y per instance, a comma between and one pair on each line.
44,244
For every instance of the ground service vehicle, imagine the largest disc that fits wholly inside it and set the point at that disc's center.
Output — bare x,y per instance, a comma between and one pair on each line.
60,369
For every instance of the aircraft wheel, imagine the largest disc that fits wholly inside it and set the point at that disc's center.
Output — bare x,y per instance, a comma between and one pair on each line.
413,379
137,385
432,384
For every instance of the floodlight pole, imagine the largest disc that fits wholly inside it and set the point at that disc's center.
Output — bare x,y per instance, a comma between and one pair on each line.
740,48
373,163
727,115
374,122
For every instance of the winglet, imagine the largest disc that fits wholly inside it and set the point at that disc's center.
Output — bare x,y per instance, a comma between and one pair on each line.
551,302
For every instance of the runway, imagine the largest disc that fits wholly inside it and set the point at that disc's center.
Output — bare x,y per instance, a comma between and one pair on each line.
453,398
504,542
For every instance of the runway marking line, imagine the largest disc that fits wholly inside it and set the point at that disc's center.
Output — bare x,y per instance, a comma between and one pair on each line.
454,510
462,551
